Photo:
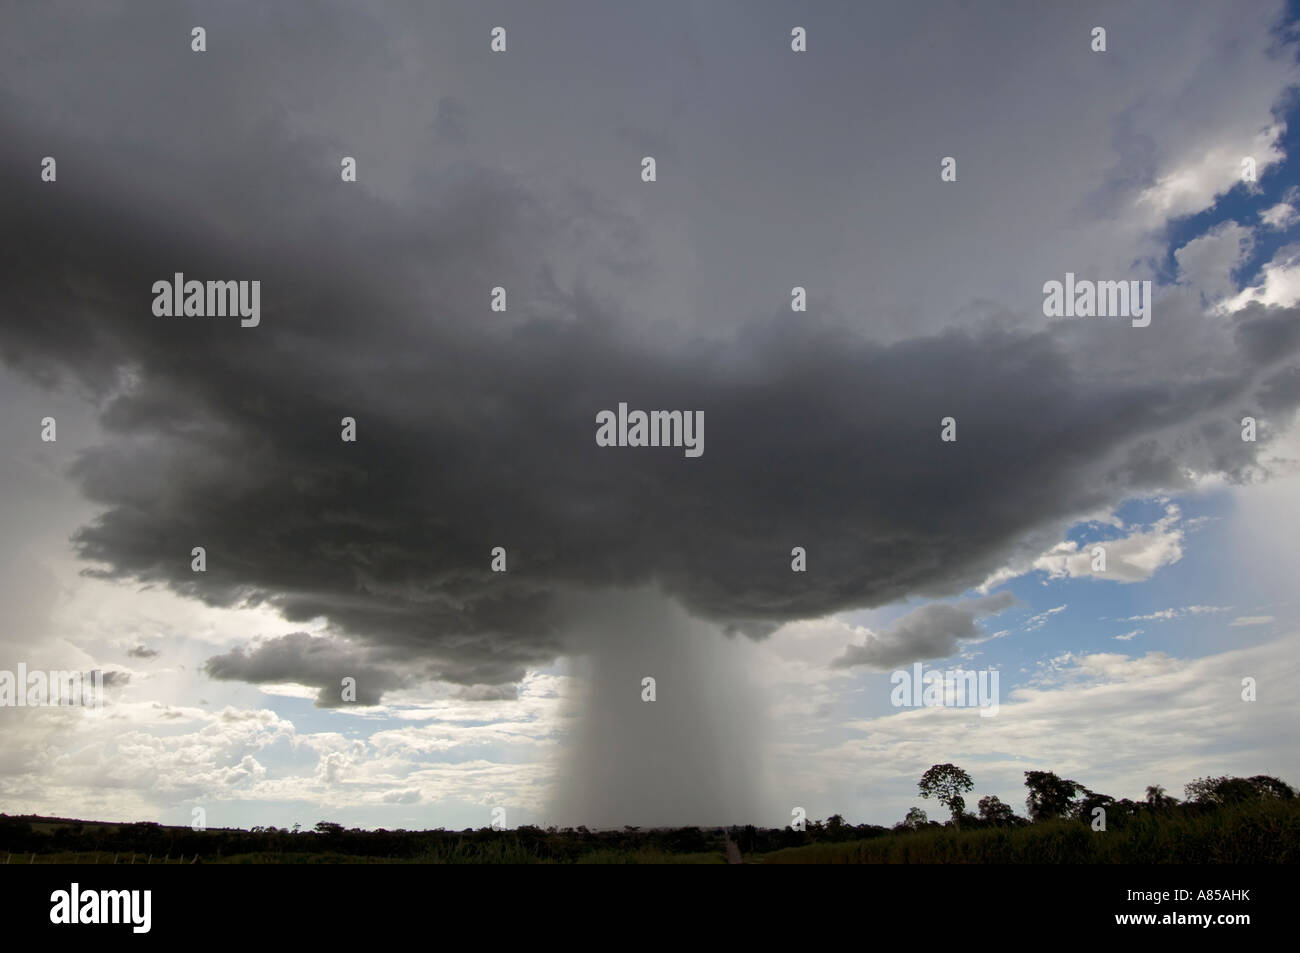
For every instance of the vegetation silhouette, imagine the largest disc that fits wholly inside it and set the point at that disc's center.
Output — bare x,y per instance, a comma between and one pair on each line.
1221,820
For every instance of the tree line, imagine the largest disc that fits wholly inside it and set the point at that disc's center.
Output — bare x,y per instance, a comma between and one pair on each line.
1051,797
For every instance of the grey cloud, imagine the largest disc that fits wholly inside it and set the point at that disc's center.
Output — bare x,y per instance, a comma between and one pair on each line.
477,429
317,661
485,693
930,631
475,434
450,126
1269,333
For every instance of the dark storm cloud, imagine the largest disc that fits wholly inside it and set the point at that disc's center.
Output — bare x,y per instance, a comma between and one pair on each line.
475,433
450,126
1268,335
477,429
486,693
309,660
141,651
927,632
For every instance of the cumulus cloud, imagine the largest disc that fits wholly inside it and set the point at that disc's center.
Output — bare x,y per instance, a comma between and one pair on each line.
1279,285
1192,184
1207,262
1131,558
1280,216
931,631
475,427
389,538
1115,722
318,661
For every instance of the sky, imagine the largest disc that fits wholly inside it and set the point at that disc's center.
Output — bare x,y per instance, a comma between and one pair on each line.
373,559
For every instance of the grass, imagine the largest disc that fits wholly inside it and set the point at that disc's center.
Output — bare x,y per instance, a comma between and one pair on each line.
492,853
648,857
91,857
1261,833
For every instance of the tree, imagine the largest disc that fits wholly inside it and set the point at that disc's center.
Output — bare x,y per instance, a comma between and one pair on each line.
836,829
1089,801
1158,800
915,818
1050,796
993,811
1220,791
1272,787
1223,791
946,783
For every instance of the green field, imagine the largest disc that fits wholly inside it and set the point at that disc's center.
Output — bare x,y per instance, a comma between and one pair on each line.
1230,821
1259,833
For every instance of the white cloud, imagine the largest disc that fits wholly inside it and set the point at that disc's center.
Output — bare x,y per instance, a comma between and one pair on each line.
1112,722
1206,263
1280,216
1038,621
1280,285
1193,184
1165,615
1132,558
